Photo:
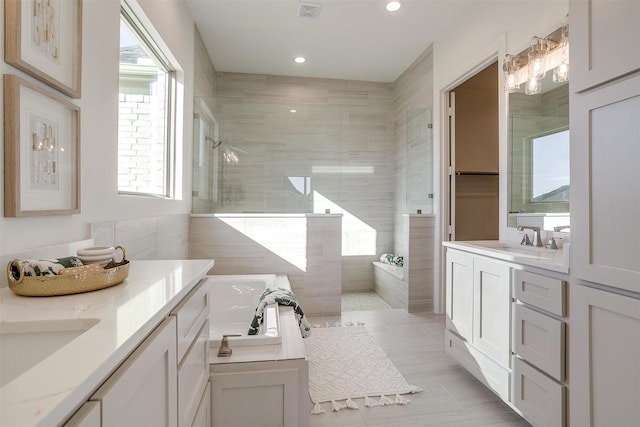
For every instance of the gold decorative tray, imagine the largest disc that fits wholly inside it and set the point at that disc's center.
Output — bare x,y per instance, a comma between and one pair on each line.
81,280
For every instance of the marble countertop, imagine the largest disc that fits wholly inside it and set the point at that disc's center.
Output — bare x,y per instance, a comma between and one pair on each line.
548,259
51,391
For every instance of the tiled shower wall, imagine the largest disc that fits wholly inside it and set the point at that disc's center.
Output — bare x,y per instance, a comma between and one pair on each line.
341,137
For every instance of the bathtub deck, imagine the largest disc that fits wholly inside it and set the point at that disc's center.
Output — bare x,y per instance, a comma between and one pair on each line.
292,346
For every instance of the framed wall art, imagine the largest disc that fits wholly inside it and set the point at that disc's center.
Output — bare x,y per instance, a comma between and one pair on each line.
41,151
44,38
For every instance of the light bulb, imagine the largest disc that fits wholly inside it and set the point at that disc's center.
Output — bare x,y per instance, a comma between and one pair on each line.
561,73
533,87
394,5
511,67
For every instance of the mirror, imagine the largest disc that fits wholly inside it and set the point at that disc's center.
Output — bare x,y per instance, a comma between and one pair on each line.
538,186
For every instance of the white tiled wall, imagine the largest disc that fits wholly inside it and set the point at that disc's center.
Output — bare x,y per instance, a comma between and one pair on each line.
418,271
307,248
158,237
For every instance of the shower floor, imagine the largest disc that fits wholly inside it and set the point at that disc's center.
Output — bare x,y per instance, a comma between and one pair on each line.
356,301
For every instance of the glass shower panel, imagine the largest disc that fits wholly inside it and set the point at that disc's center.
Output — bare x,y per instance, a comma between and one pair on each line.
206,160
268,156
419,152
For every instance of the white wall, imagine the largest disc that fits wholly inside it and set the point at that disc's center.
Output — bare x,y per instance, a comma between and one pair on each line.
479,37
99,111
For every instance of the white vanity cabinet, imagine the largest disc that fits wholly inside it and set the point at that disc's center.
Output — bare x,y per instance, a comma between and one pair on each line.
192,319
478,308
165,382
604,44
604,344
539,331
605,358
143,390
260,394
492,308
87,416
459,294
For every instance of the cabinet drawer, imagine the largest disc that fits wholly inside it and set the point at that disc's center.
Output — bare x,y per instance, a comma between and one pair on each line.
541,399
191,314
543,292
193,377
539,339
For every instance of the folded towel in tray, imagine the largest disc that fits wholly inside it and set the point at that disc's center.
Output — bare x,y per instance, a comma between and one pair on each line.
392,259
282,297
46,267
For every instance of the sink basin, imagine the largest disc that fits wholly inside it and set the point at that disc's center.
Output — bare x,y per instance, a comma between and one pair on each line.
532,251
25,344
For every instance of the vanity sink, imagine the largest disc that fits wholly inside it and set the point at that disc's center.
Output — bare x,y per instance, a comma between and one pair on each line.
522,250
25,344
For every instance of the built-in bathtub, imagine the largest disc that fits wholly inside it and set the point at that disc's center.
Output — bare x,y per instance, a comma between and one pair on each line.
234,299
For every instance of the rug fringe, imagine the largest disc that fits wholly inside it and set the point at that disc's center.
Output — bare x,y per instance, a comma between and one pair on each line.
369,403
416,389
384,401
335,406
317,409
400,400
351,404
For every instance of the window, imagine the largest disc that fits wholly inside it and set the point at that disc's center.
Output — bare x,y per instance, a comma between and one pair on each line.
146,109
550,167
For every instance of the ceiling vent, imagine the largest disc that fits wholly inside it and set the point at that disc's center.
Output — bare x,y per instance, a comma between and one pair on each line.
309,10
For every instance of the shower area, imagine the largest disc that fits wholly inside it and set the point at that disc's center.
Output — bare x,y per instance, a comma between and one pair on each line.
276,158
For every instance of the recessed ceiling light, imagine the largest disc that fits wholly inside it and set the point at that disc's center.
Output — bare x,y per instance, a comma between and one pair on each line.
300,59
393,5
293,111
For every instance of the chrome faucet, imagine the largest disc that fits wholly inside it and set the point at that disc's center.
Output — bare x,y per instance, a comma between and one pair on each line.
225,350
537,241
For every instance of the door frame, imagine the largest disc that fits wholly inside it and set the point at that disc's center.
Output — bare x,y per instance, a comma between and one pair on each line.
494,51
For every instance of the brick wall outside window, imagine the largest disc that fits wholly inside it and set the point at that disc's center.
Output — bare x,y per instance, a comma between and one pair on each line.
141,141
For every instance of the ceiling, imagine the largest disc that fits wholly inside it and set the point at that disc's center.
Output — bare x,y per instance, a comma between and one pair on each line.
350,39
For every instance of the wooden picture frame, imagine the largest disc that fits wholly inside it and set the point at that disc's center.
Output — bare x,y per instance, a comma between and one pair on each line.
41,151
44,38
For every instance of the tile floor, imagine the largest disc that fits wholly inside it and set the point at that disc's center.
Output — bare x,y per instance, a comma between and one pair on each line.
415,344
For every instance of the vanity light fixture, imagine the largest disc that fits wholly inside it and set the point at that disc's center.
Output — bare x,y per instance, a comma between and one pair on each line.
561,72
537,55
542,55
393,5
511,68
299,59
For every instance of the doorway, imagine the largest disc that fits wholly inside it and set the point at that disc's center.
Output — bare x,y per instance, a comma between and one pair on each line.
473,185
